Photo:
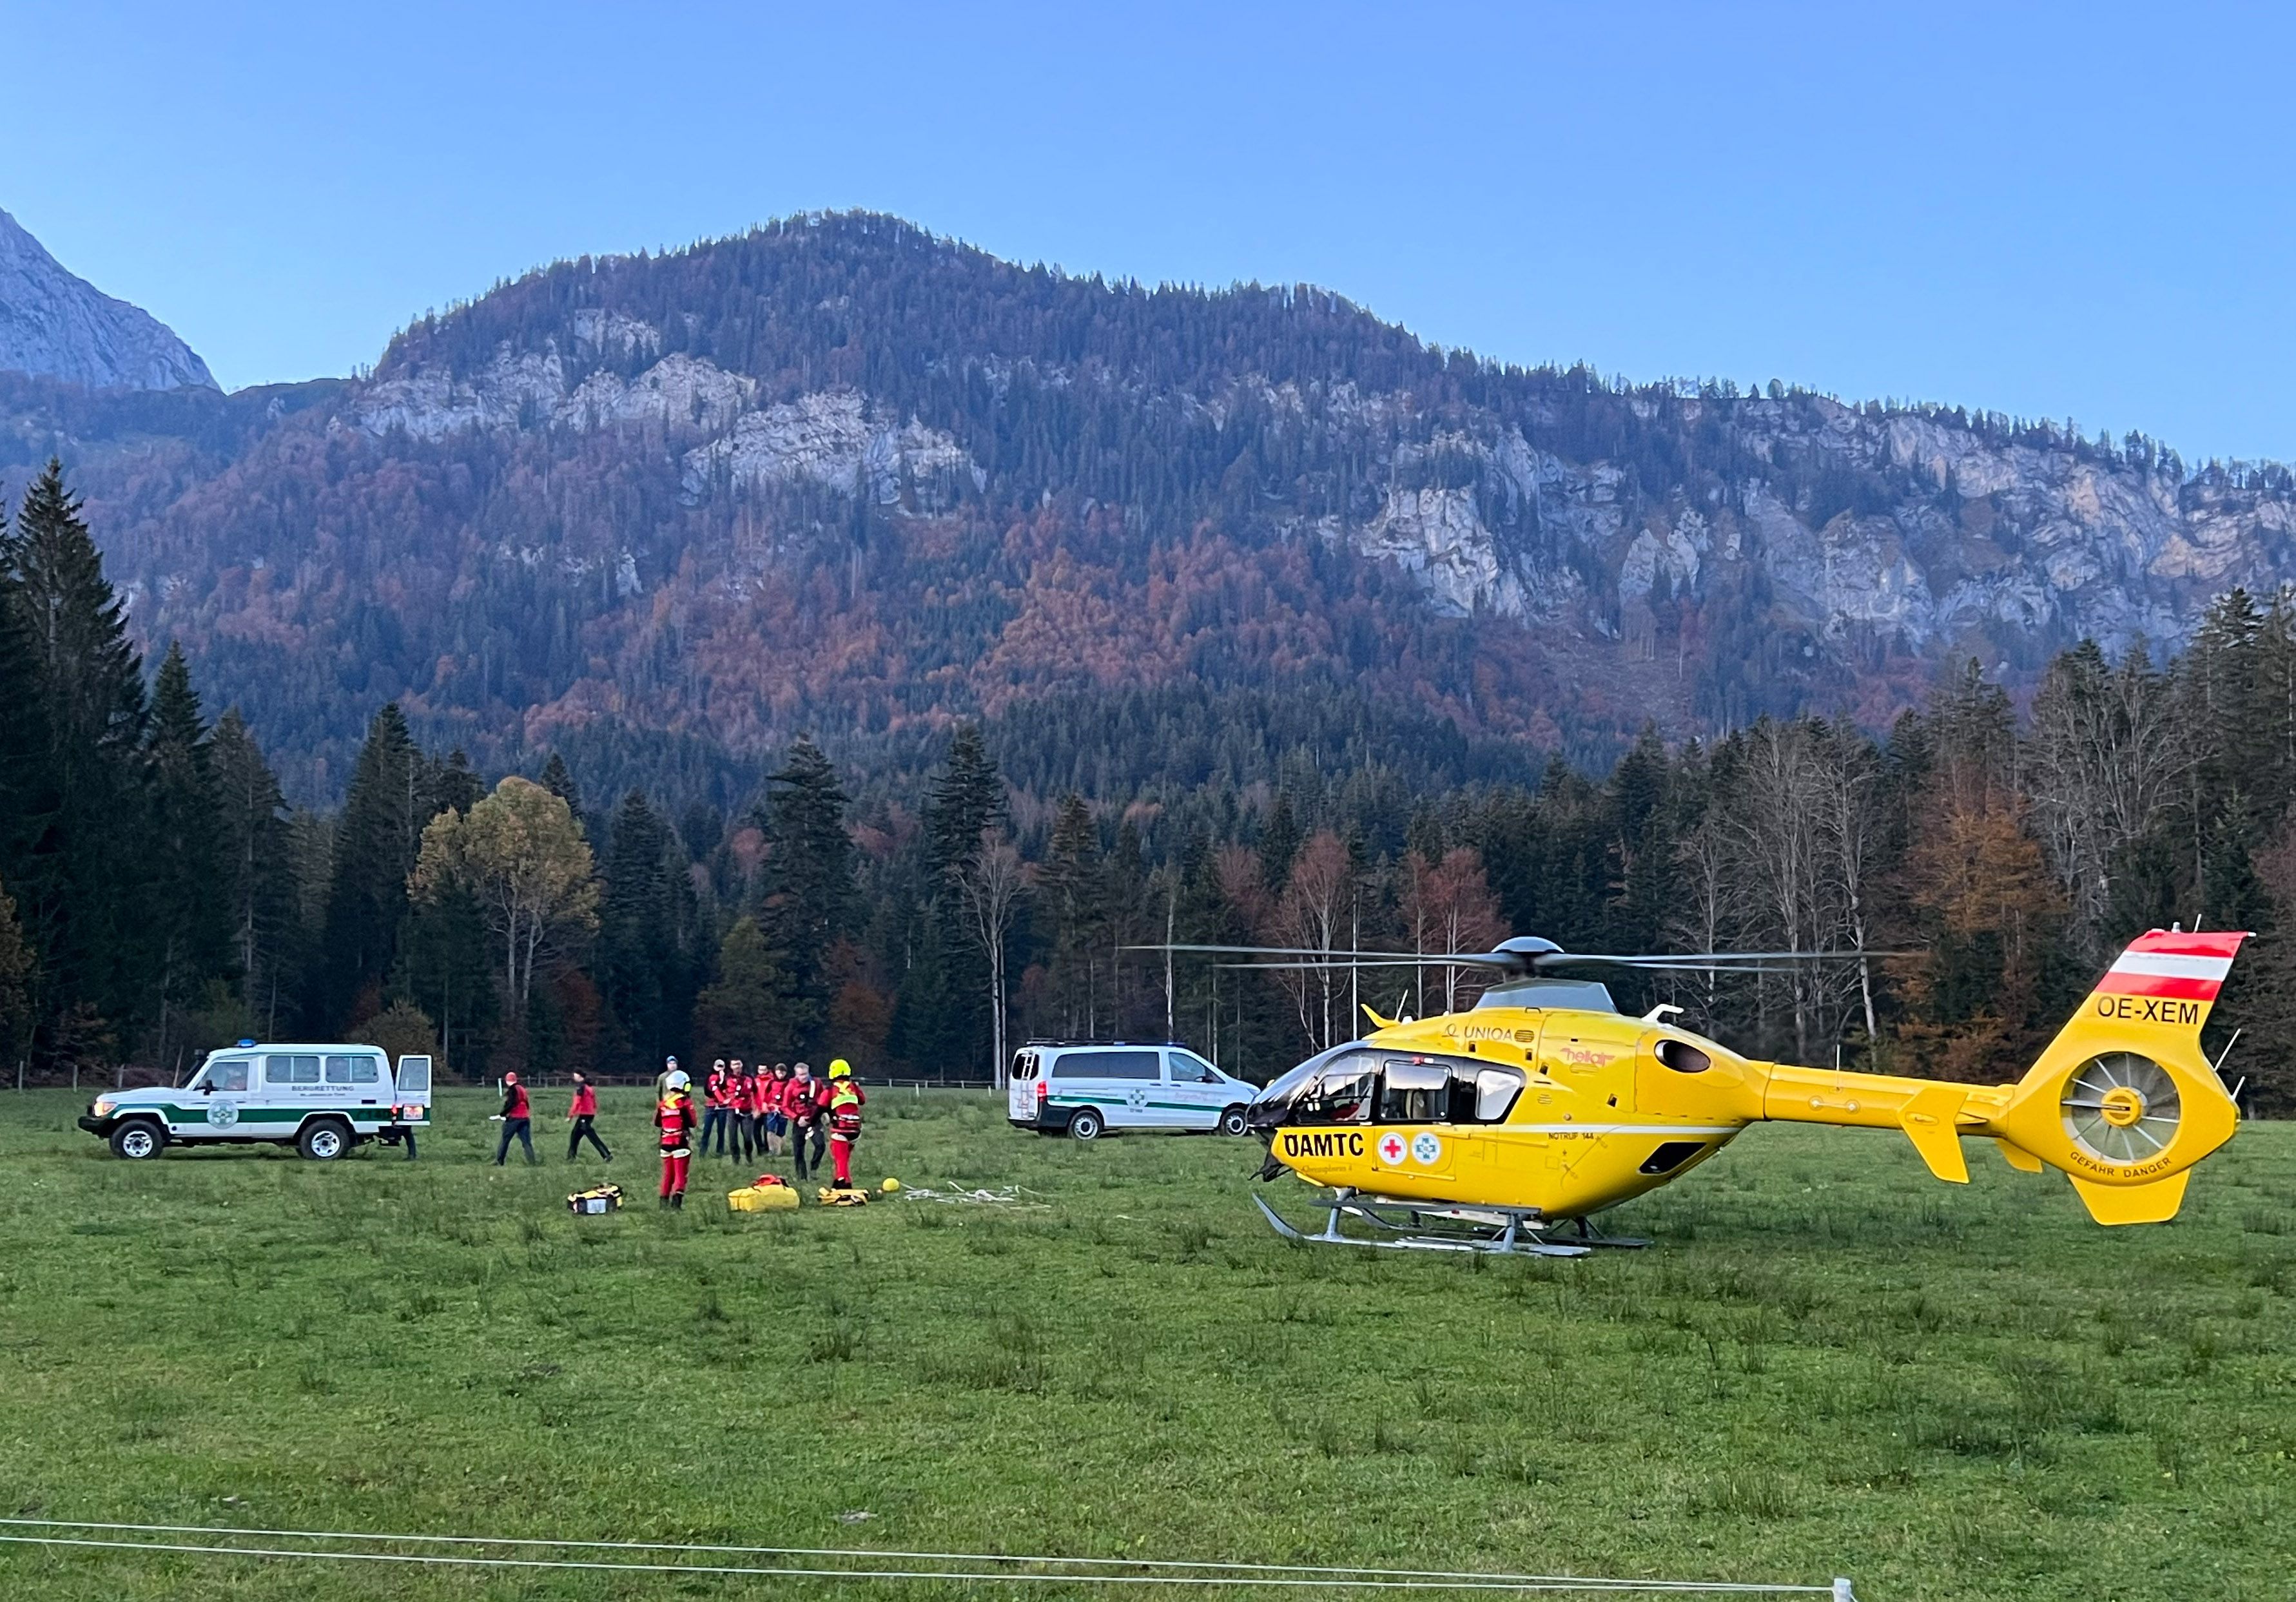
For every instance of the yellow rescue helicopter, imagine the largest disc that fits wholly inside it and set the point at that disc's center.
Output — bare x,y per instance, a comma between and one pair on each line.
1508,1127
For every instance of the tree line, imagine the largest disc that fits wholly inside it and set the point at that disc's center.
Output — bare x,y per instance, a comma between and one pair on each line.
158,896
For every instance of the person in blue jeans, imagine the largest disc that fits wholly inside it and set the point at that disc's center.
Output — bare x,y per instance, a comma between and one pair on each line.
517,1117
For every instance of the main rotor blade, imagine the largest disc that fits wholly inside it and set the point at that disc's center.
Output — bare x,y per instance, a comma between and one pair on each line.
1343,959
1321,955
1716,960
1258,950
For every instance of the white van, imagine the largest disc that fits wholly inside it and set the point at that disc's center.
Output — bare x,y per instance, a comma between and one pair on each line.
322,1099
1084,1089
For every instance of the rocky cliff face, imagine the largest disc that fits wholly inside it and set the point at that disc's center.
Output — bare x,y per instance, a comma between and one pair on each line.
840,475
57,326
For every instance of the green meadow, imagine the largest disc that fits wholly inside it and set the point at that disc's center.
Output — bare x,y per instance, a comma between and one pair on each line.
1827,1363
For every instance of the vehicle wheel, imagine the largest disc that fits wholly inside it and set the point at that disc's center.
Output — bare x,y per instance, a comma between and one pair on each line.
324,1140
138,1140
1085,1126
1232,1122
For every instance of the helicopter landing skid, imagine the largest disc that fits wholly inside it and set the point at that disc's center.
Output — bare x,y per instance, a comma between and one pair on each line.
1492,1232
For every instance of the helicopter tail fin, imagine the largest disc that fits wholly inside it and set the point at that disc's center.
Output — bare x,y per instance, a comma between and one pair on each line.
2124,1100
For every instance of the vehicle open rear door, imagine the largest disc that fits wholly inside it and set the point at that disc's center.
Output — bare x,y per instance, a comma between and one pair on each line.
413,1097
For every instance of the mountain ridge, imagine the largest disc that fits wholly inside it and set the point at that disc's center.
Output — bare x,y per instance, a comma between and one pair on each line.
839,473
55,323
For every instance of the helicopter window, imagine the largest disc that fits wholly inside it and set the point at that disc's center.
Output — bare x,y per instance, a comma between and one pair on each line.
1496,1090
1414,1093
1341,1094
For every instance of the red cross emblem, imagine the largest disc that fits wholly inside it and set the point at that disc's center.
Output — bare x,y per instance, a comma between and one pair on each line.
1390,1148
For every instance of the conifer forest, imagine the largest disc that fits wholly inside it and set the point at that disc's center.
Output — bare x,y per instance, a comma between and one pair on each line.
159,896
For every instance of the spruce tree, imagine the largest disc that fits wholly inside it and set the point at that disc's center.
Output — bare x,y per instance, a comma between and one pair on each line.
1070,889
807,904
255,882
557,778
16,976
376,839
454,785
1279,841
28,804
638,953
745,1010
190,935
83,898
965,798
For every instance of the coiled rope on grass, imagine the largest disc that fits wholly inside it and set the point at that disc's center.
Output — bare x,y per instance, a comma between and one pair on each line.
1067,1570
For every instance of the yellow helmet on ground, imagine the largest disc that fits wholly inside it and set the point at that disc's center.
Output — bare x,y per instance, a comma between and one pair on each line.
840,1070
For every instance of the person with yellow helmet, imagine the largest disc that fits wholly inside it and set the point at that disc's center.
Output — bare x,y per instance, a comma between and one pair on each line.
674,1121
845,1103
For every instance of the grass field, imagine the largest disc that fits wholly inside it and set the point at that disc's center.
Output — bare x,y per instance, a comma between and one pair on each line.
1829,1363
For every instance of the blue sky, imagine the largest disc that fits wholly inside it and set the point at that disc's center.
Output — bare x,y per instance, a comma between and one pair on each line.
2081,212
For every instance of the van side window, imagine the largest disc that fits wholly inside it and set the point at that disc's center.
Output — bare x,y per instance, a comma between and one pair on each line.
351,1070
290,1070
1024,1067
1188,1068
1107,1064
229,1074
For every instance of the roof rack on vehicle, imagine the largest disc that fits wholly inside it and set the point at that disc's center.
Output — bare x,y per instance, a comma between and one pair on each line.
1179,1044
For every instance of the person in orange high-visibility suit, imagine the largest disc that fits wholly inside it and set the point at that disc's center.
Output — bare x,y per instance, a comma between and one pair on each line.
845,1103
674,1120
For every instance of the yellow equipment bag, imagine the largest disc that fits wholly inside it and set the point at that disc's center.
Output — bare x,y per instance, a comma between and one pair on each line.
832,1197
598,1198
761,1198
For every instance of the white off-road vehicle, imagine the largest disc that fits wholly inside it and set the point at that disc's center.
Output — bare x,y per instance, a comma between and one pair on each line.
322,1099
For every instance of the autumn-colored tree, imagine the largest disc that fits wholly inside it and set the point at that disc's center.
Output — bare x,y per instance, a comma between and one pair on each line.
1989,909
1447,906
520,855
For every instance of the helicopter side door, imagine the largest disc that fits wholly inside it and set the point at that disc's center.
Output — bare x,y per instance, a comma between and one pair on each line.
1435,1114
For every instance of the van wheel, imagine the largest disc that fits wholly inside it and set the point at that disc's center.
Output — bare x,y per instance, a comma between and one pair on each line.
1232,1122
1084,1125
324,1140
138,1139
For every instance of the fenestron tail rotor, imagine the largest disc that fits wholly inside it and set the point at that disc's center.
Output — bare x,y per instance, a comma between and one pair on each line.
2122,1107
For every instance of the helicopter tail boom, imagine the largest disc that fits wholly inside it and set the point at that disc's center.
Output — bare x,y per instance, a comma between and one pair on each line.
2123,1101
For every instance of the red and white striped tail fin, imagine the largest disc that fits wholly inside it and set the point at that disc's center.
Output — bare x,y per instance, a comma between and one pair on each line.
2169,979
2124,1099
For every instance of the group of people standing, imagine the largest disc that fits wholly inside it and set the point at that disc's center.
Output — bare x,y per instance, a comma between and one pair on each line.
747,1113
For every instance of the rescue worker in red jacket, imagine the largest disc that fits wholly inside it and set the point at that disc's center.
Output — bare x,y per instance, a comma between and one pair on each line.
517,1117
716,1106
674,1121
845,1103
742,1099
584,1113
777,1107
802,1098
